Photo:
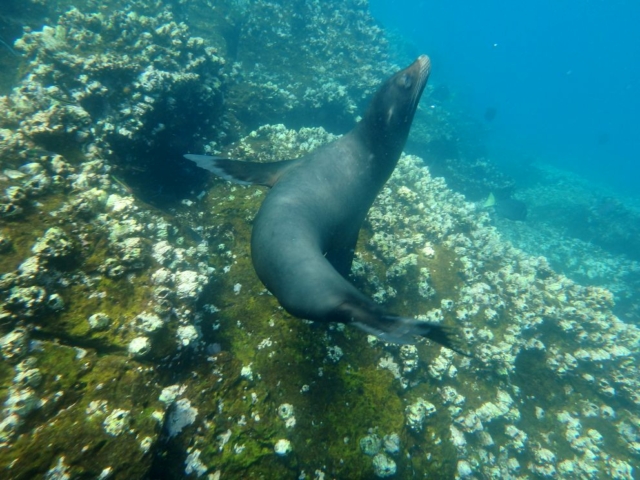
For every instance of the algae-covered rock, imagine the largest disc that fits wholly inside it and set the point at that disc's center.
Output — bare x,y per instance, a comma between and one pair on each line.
89,414
370,444
99,427
14,345
384,466
282,447
137,340
139,346
99,321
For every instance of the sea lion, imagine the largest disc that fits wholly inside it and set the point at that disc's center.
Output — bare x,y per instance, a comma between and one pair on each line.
305,233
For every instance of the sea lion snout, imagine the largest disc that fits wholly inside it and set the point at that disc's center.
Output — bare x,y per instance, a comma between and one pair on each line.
425,63
421,68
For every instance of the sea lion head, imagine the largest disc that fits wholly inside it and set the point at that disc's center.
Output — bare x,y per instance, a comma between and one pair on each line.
392,108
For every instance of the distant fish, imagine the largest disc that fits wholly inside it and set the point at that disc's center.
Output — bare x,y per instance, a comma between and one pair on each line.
606,207
39,152
63,101
490,201
508,208
490,113
126,188
13,52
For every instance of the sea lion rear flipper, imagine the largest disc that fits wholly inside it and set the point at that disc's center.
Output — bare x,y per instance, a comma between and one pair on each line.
243,173
403,330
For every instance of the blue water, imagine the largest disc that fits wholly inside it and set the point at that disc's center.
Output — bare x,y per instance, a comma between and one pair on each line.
563,76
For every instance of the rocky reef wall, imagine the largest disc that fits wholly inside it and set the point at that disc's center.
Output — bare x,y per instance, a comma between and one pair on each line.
136,340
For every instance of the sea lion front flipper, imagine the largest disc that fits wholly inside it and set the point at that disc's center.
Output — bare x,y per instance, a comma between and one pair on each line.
243,173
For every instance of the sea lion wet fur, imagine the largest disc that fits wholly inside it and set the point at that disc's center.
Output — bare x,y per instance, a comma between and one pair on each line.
305,233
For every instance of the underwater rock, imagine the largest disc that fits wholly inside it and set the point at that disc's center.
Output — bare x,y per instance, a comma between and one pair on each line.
38,184
391,443
139,346
163,252
334,353
26,301
132,252
31,169
171,393
15,195
383,466
10,210
60,471
464,469
282,447
55,302
417,412
148,323
99,321
30,270
440,365
180,415
88,204
193,464
21,402
26,376
457,438
247,372
333,85
162,276
370,444
141,74
187,335
112,268
8,428
409,356
117,421
189,284
14,345
55,244
285,412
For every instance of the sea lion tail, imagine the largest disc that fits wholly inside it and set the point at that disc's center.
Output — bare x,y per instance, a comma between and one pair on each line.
243,173
404,330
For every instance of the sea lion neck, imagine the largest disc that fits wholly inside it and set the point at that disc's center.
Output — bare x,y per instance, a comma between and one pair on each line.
385,125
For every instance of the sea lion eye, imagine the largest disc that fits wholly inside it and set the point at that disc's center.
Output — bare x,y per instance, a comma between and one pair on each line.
405,81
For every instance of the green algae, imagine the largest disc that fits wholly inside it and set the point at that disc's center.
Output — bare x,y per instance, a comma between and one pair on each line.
348,400
121,299
445,271
354,389
26,229
363,394
64,422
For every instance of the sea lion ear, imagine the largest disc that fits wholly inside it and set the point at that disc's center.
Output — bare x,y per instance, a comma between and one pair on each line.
243,173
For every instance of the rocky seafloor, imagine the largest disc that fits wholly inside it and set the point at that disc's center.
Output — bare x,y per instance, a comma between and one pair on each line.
587,231
137,342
